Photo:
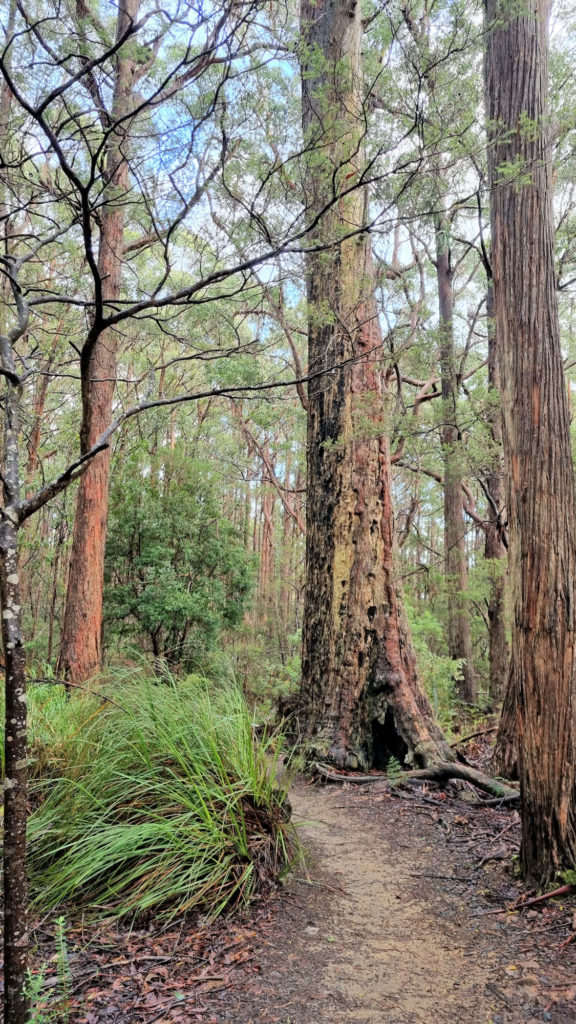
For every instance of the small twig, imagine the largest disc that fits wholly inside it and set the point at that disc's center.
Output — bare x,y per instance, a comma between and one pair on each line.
567,941
50,681
492,856
178,1002
323,885
446,878
503,832
500,995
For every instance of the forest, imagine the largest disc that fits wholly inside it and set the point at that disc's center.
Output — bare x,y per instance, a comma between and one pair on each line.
287,361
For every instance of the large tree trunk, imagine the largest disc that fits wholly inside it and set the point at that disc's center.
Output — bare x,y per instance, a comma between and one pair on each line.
541,501
16,940
455,560
361,697
81,643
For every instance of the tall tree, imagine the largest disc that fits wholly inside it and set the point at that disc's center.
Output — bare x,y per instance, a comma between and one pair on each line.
80,650
455,557
541,501
362,700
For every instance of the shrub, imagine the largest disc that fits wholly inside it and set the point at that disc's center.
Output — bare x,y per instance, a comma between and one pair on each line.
177,571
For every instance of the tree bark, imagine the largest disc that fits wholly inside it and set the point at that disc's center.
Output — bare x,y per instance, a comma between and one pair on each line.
361,698
494,544
541,501
15,781
15,879
455,560
81,643
505,757
15,737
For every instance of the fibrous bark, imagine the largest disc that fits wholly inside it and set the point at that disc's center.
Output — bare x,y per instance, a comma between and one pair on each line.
541,501
361,697
505,756
494,536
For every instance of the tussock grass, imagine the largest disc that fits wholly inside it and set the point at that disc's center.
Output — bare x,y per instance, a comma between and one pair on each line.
160,802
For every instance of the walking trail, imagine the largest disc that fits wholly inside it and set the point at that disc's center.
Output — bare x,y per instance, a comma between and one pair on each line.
390,921
384,925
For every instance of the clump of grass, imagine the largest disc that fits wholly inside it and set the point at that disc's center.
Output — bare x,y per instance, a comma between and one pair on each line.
160,802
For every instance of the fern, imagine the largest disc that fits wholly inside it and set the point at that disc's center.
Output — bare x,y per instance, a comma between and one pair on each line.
394,769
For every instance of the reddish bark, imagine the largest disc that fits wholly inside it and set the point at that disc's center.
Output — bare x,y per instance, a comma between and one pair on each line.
81,643
505,757
361,697
541,500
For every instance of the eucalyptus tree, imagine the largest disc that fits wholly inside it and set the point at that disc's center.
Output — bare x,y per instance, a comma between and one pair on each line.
361,696
541,499
433,43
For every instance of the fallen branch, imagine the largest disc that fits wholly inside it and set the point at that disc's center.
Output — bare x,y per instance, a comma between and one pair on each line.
498,801
473,735
441,771
521,904
564,890
332,776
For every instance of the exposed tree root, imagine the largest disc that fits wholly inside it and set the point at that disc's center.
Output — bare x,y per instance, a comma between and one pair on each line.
451,770
441,771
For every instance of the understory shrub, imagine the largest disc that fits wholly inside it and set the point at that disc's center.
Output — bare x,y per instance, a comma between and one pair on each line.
178,574
438,672
152,797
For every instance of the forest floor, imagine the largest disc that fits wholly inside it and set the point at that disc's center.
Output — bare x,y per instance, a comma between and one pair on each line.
391,921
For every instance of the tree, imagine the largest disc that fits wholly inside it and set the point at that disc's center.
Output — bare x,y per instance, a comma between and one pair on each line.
80,650
541,502
429,82
455,558
362,701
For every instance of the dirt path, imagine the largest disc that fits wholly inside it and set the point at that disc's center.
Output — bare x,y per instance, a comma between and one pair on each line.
382,931
390,922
